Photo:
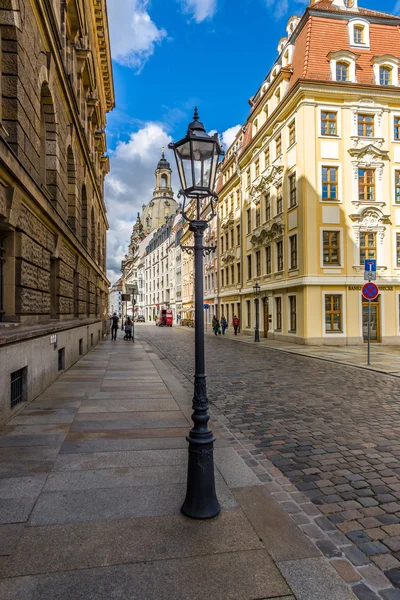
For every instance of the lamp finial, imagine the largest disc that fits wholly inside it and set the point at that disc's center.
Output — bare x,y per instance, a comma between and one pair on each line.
195,114
163,152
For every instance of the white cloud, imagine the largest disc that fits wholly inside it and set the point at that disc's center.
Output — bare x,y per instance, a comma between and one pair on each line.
129,185
280,8
199,9
133,34
228,136
131,182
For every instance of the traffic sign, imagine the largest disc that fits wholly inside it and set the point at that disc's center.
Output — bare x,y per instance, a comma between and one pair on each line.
206,306
370,269
370,291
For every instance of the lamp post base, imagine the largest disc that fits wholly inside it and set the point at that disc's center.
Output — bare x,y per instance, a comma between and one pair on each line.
201,500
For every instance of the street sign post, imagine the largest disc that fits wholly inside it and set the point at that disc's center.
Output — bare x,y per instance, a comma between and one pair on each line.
370,292
370,269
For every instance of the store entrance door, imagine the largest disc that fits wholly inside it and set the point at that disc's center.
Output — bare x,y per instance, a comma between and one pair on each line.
375,321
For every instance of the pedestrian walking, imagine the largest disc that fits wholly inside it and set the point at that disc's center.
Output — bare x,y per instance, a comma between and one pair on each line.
128,329
114,326
235,323
215,326
224,325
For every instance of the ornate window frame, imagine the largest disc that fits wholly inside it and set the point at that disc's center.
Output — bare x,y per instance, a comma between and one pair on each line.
387,60
359,23
343,56
370,220
369,157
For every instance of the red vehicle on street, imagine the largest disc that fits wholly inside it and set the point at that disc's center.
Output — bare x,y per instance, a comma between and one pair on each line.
164,318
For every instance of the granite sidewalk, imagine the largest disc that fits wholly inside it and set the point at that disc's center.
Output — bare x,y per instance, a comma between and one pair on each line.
92,477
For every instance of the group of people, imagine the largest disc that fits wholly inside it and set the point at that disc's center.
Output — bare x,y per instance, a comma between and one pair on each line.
221,326
127,327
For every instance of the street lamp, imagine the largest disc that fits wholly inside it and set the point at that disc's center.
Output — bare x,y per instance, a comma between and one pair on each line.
257,293
197,156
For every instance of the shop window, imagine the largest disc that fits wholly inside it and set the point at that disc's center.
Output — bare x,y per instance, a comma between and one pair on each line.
366,184
331,247
333,313
367,246
329,123
330,183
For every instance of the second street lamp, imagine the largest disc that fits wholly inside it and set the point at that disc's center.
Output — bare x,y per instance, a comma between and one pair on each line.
197,156
257,293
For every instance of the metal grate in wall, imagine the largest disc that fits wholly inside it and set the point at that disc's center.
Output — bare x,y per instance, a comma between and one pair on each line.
17,387
61,355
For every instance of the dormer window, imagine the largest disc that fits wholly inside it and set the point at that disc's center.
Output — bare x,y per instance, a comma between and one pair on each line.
342,71
386,70
343,65
255,125
385,75
358,34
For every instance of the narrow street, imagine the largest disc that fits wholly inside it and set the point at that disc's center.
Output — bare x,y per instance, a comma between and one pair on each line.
332,430
93,475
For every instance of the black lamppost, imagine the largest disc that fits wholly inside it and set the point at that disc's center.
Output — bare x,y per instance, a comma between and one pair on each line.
197,156
257,291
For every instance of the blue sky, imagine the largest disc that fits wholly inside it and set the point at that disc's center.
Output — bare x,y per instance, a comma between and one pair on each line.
168,56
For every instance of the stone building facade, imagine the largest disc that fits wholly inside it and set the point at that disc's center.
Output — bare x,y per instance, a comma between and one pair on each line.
56,89
310,187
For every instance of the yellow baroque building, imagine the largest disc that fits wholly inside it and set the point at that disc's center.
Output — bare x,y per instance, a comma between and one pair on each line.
310,188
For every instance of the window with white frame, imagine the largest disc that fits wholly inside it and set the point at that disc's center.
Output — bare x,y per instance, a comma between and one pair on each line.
386,70
343,65
333,313
359,33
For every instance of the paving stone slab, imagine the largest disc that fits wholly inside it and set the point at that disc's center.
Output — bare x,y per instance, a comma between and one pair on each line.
108,504
273,525
104,460
314,579
104,543
114,478
15,510
124,445
127,405
132,420
245,575
233,469
21,487
9,537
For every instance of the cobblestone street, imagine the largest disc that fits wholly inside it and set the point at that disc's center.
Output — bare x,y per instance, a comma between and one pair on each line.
332,430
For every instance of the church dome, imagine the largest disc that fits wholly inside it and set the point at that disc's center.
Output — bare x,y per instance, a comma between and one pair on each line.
163,163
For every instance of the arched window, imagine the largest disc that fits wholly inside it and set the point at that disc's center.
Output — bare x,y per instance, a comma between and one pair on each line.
342,71
48,143
93,235
385,75
164,181
85,216
72,195
98,245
